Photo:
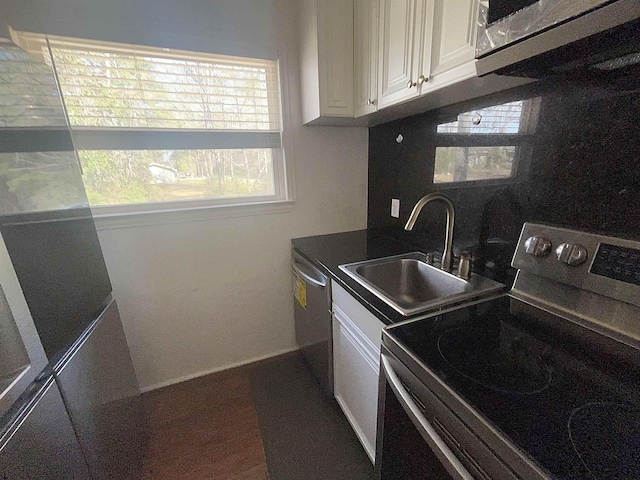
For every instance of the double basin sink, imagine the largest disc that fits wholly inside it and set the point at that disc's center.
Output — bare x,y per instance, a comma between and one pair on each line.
411,286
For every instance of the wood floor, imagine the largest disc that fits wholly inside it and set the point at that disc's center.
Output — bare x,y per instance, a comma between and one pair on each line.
205,428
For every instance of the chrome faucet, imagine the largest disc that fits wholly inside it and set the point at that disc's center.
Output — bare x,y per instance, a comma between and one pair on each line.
448,239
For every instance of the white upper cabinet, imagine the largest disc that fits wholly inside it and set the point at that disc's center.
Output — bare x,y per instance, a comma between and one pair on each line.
360,56
326,58
397,38
365,55
425,45
405,50
453,37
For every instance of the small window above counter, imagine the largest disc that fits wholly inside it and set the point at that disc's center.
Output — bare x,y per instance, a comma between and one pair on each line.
366,62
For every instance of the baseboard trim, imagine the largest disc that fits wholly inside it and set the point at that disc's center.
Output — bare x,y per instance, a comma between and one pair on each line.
202,373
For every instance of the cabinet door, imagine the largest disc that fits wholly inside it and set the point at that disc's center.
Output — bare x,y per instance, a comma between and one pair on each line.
356,367
335,54
454,34
40,442
423,43
398,25
100,390
365,57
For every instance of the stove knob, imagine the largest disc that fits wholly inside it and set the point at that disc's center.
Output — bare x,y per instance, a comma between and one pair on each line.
537,246
572,255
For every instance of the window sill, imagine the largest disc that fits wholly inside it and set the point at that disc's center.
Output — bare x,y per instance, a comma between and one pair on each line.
107,221
489,182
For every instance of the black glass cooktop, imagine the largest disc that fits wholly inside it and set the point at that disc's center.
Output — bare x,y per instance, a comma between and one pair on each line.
565,395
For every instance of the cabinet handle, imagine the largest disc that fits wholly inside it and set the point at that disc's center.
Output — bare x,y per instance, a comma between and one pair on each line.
422,79
411,84
371,102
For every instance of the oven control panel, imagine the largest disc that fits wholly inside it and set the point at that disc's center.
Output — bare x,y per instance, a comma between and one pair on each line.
618,263
608,266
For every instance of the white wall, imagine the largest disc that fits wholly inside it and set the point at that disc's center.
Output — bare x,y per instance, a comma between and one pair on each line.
204,25
203,295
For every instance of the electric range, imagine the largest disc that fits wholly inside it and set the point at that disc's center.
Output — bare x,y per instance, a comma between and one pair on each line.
542,382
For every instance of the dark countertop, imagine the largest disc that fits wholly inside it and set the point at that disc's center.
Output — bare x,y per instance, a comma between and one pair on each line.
327,252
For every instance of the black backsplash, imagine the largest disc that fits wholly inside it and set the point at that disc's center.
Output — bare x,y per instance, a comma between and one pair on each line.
584,169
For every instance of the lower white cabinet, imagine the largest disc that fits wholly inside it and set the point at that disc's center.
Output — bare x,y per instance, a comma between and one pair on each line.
356,364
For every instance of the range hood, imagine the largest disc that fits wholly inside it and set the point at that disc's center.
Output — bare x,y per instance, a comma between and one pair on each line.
540,38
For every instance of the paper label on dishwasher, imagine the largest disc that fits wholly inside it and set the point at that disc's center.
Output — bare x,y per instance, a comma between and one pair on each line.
300,290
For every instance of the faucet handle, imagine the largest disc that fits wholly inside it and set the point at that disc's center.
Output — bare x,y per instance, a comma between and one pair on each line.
464,265
433,258
429,258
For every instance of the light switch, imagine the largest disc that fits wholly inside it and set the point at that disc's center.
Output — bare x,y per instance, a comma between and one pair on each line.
395,207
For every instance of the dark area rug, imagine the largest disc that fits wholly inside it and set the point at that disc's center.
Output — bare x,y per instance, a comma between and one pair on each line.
305,434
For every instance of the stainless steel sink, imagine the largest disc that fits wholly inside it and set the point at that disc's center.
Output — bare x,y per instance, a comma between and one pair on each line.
410,285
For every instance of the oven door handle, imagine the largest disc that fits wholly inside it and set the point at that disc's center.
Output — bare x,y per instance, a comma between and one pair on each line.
448,459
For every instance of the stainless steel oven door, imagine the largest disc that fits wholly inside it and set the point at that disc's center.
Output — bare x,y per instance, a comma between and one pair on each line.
420,438
452,467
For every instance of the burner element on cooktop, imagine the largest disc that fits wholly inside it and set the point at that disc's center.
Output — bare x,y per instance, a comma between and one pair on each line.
501,363
606,437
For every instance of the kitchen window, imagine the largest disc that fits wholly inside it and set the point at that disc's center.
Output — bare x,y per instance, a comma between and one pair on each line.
162,129
489,144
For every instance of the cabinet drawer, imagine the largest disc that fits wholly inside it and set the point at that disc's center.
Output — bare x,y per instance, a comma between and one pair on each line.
366,321
368,350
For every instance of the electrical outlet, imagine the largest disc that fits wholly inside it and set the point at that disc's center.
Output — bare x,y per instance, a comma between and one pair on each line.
395,207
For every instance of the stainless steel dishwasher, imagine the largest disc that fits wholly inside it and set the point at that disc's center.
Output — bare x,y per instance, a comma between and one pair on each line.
312,307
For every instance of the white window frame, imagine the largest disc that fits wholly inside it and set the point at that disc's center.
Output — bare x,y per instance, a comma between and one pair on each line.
99,138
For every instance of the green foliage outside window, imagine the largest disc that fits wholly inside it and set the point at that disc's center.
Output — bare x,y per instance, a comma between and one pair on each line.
140,176
458,164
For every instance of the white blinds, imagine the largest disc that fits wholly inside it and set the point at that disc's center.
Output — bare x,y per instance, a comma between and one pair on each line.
28,93
109,85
